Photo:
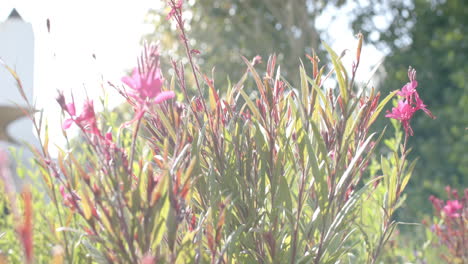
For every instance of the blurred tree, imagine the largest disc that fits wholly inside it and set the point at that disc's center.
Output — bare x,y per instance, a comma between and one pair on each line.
431,36
225,29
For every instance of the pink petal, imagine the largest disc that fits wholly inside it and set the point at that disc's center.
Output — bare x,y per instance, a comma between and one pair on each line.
163,96
62,190
137,116
67,123
109,136
129,82
133,81
71,108
135,73
428,113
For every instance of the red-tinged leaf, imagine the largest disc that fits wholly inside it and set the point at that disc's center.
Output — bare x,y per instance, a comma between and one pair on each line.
17,79
160,188
185,189
271,64
80,170
61,165
177,182
257,79
155,198
220,224
380,107
213,92
195,51
25,229
87,207
46,137
209,237
159,162
314,60
151,182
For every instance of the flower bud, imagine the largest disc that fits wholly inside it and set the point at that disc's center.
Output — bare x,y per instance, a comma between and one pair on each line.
359,47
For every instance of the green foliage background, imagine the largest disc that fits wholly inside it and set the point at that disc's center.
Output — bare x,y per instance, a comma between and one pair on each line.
223,30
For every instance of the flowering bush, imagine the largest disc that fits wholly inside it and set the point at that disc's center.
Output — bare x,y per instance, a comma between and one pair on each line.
278,176
451,225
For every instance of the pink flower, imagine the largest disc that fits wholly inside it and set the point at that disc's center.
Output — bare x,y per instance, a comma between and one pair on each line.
147,86
87,119
403,112
109,136
421,106
146,83
148,259
88,116
147,80
408,105
67,123
452,207
71,108
68,198
409,89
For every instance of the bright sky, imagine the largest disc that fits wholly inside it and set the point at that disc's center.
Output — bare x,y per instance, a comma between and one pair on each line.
112,31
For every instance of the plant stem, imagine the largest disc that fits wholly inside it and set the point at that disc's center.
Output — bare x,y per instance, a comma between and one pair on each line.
187,51
296,227
132,148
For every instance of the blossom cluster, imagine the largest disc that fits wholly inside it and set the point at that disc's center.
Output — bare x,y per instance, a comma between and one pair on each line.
147,79
87,118
409,103
146,82
452,230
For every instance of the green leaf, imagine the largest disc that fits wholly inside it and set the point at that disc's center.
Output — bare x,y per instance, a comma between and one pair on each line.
340,73
251,105
380,107
257,79
351,165
408,174
304,88
166,123
348,207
